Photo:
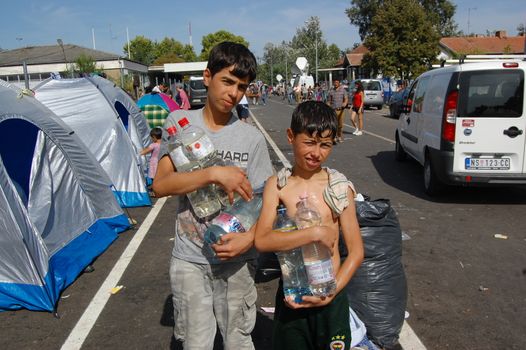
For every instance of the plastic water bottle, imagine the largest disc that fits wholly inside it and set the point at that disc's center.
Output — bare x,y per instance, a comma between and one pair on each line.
199,148
316,256
293,274
240,217
175,149
197,144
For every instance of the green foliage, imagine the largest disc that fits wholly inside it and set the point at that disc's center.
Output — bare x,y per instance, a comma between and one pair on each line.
361,14
170,50
142,50
439,12
521,29
401,48
85,64
212,39
280,59
167,50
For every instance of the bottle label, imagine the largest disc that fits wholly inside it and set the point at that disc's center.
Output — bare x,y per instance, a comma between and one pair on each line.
229,223
319,271
201,148
178,157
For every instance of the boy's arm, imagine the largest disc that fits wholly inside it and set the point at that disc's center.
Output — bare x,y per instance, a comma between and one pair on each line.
168,181
353,241
267,240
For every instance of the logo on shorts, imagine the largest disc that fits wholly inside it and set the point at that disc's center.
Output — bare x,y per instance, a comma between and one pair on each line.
337,342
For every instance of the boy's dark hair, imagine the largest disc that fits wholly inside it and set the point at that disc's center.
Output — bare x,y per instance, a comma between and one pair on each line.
314,117
228,54
157,133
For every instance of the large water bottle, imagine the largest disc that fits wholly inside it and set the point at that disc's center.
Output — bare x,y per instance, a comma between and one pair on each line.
175,149
239,217
293,274
199,148
197,144
316,256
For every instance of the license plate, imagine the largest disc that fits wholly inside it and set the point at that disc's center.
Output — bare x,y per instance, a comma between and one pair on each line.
487,163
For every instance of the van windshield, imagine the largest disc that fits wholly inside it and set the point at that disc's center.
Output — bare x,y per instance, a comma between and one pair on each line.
197,84
372,86
494,93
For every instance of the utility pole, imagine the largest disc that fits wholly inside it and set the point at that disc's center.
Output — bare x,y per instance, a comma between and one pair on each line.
469,17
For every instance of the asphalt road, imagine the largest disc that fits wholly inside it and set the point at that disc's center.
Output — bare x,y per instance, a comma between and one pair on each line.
467,289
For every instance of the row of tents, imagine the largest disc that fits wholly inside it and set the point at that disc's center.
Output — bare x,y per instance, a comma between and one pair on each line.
69,163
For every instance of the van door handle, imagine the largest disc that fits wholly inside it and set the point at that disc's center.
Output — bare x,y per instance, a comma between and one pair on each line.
408,120
513,132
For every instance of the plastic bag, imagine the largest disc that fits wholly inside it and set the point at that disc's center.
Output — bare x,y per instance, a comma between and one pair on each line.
378,290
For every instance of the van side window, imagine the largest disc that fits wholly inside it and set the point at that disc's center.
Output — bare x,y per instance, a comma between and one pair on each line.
420,94
493,93
411,95
436,92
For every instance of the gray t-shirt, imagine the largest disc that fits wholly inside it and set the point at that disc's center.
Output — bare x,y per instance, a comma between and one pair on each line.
238,143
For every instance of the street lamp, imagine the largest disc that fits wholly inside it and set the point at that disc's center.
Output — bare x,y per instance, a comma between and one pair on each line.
316,48
61,44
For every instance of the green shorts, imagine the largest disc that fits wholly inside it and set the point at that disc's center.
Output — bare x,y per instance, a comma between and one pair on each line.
314,328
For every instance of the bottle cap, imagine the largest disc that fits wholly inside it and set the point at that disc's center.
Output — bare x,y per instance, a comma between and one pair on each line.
183,121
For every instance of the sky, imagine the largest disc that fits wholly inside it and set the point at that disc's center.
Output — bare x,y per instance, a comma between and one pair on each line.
33,23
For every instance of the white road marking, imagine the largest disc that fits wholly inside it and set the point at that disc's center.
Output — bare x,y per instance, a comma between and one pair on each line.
84,325
408,338
281,156
372,134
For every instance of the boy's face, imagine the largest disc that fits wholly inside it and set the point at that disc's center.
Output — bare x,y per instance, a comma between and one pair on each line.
225,90
310,151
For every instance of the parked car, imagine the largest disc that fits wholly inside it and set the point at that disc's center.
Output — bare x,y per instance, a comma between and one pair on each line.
373,91
196,91
396,101
465,124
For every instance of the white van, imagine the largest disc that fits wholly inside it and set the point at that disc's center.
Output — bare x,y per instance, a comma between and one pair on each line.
465,124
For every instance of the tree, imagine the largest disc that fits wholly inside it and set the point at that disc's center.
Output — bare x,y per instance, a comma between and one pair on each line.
170,50
521,29
212,39
401,48
85,64
440,13
361,14
141,50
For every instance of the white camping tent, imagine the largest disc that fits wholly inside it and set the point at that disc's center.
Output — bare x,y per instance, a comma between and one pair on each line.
85,109
129,113
57,211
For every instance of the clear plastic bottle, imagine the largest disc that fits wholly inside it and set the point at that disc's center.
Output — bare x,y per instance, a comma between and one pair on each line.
175,149
316,256
197,144
240,217
293,274
199,148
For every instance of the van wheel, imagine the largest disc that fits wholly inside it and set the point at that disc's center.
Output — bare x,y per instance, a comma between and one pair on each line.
400,154
432,184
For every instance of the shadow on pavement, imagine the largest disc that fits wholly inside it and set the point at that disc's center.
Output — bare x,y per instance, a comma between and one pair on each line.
408,176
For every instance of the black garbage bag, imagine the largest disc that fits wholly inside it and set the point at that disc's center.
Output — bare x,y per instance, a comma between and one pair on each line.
378,290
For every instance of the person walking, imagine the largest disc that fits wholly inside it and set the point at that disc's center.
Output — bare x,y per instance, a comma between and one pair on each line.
213,286
338,100
182,96
357,109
